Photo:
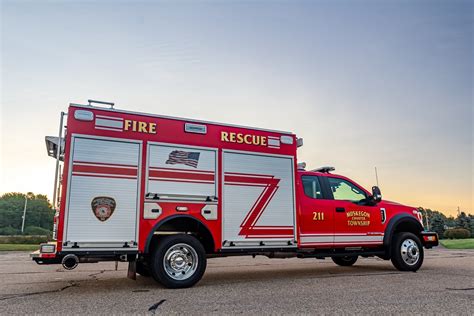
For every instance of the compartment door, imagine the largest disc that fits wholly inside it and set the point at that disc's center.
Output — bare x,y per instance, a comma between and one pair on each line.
102,207
182,172
259,200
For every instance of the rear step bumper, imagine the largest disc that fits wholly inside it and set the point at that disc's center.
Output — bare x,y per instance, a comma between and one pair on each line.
45,258
84,256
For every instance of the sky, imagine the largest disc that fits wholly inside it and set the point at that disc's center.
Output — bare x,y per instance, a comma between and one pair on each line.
364,83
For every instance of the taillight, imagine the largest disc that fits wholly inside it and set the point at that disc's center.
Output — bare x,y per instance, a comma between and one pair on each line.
48,248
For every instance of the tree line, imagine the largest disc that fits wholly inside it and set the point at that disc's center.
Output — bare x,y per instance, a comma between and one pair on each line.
440,223
39,216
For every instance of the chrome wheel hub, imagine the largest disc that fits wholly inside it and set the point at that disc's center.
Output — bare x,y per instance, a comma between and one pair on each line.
180,261
410,252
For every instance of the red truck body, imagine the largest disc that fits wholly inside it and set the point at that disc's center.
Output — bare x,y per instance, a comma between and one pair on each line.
131,182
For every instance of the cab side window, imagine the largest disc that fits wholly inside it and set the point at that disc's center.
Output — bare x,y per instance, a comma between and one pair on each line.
312,187
345,190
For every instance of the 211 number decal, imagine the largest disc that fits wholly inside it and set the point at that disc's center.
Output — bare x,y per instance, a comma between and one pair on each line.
318,216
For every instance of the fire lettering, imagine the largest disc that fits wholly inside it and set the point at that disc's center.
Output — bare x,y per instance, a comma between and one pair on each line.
140,127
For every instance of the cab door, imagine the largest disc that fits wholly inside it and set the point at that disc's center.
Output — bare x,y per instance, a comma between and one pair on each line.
316,221
355,223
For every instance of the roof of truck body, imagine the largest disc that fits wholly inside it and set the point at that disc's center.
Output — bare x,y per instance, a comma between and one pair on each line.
176,118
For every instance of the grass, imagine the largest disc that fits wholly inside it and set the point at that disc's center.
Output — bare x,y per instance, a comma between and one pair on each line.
458,243
23,239
18,247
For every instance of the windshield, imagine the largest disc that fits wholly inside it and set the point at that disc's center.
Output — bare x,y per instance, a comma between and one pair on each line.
345,190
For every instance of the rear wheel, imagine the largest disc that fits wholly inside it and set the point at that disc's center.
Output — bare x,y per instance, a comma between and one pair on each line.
345,261
178,261
407,252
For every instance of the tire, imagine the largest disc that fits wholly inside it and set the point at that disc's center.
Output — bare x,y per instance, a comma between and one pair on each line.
345,261
179,261
143,269
406,252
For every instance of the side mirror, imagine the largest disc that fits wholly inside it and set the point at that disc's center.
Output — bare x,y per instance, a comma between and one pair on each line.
376,194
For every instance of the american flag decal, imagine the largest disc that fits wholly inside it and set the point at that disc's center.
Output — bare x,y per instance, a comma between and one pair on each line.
183,157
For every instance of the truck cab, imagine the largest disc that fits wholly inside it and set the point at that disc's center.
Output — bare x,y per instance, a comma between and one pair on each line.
339,215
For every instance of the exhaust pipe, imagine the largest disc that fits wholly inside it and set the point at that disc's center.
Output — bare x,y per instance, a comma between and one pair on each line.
70,261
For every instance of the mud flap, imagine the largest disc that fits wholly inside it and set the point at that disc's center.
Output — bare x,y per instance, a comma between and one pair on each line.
132,270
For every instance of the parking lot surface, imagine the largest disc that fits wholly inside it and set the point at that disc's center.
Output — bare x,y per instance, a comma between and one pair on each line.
245,285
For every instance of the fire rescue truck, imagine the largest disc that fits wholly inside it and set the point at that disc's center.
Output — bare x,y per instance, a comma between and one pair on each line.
166,193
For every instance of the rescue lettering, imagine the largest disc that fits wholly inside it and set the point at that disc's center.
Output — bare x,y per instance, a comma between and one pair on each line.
240,138
140,127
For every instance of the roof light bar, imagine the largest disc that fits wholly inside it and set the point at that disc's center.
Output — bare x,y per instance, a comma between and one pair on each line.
325,169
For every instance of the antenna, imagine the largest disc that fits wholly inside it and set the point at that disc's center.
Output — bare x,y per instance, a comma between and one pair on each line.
376,176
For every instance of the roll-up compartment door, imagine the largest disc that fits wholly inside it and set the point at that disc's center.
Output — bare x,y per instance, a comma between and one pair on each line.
182,172
258,201
102,207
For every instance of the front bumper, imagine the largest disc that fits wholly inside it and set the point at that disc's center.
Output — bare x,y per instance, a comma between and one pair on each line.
429,239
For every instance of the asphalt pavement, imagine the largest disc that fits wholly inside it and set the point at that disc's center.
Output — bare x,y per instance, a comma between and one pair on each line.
245,285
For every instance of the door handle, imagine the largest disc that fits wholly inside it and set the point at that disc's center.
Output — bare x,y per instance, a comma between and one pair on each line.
340,209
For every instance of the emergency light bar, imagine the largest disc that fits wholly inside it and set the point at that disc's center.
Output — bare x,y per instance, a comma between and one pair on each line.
324,169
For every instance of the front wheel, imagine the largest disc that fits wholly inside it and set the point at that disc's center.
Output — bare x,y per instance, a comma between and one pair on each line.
178,261
345,261
407,252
